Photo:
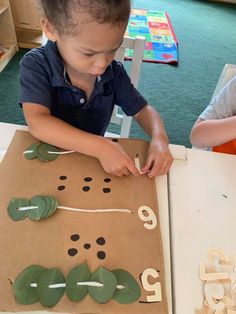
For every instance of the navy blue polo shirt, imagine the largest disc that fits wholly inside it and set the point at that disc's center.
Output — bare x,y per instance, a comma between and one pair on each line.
43,81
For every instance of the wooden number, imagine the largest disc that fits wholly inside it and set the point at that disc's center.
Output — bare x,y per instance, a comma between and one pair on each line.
155,287
214,291
147,214
211,276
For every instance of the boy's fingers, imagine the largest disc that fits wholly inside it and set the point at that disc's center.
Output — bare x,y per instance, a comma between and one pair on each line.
119,174
131,167
165,167
148,166
155,170
161,169
125,171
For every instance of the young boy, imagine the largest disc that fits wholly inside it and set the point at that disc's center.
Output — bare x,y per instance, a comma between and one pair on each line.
216,126
69,87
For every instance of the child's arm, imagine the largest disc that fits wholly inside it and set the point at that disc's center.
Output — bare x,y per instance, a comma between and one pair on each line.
159,157
209,133
52,130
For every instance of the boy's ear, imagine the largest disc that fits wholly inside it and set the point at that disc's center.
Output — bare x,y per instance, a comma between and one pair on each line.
49,30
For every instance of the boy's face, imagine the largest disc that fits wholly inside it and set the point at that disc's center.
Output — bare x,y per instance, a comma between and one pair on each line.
91,50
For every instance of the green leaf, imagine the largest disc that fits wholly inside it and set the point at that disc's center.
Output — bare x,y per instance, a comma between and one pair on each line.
13,210
33,148
38,213
53,205
131,291
79,273
108,279
43,149
50,296
23,292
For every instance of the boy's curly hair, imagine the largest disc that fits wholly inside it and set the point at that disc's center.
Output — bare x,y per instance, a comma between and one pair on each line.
60,13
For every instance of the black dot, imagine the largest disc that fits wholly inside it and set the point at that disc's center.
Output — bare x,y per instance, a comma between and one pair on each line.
88,179
115,140
87,246
106,190
107,180
63,177
61,187
72,252
86,188
101,241
75,237
101,255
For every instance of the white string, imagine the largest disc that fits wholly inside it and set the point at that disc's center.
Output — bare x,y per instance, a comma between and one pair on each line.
96,210
28,151
27,207
61,153
120,287
128,211
50,152
84,283
90,284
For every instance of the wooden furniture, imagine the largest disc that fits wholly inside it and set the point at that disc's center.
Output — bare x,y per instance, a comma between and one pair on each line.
27,23
137,45
202,216
8,41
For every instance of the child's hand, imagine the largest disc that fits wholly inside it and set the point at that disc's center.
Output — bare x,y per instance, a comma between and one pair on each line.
115,161
159,159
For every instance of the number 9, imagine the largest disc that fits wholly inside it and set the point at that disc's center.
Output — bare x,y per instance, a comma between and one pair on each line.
147,214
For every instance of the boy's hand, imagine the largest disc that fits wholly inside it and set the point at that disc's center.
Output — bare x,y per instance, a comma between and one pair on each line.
115,161
159,159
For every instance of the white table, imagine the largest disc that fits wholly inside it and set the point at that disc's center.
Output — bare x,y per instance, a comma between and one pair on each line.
7,131
202,216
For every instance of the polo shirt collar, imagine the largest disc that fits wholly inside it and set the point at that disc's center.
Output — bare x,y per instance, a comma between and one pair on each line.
58,78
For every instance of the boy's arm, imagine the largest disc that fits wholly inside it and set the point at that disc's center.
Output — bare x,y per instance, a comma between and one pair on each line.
159,157
52,130
209,133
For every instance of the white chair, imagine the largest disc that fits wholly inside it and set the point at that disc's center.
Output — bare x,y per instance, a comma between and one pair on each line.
137,45
227,73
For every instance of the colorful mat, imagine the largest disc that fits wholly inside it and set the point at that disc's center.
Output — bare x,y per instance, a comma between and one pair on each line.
161,43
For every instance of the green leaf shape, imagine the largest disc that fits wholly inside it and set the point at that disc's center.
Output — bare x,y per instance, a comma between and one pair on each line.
53,205
13,210
38,213
108,279
43,149
23,292
79,273
33,154
131,291
49,297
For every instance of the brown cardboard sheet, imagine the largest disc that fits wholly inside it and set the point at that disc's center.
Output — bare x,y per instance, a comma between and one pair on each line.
128,244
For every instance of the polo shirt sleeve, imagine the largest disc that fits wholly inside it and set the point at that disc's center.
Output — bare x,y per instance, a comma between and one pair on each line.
223,104
35,84
126,95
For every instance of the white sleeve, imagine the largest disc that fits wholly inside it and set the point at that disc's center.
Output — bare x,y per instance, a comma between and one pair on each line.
223,104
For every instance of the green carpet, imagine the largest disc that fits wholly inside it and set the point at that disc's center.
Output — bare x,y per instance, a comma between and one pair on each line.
206,33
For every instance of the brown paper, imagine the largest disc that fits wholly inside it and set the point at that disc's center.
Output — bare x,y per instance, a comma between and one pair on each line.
128,244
